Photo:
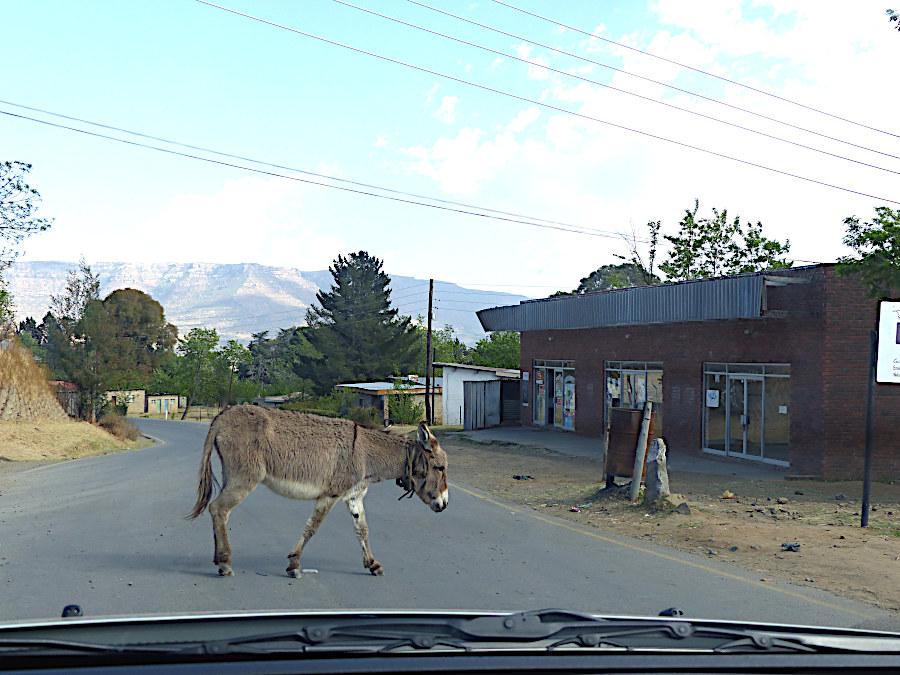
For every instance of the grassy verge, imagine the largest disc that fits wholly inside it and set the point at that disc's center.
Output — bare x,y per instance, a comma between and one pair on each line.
42,441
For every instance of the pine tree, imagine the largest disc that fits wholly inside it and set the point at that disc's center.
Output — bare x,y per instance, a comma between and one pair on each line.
355,329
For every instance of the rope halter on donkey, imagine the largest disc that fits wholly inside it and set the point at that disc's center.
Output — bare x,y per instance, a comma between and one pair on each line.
406,481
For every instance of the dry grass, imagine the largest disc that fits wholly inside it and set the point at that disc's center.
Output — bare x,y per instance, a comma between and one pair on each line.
119,427
25,392
45,440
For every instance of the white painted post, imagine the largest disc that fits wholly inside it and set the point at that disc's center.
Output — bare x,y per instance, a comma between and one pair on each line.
641,451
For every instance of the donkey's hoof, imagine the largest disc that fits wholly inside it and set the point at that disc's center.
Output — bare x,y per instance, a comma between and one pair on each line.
294,572
226,572
376,569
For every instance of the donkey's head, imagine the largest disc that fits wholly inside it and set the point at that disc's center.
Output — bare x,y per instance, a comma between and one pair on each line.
428,472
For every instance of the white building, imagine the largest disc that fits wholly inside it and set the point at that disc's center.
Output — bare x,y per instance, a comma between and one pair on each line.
455,374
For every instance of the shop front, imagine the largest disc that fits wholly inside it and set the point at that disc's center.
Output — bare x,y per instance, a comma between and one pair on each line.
746,411
554,393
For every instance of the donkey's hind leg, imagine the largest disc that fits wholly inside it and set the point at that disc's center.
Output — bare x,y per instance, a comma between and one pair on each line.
323,506
355,504
234,492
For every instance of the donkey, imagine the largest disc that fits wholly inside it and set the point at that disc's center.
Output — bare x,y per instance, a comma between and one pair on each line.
305,456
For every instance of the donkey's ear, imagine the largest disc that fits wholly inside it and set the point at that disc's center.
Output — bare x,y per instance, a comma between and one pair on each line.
424,435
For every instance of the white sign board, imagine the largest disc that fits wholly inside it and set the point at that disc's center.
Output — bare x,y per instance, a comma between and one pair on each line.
887,364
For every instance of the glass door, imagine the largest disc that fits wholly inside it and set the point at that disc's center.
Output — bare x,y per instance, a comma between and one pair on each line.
745,416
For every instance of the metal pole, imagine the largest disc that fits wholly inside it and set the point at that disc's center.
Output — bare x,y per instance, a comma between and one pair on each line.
641,451
428,411
870,413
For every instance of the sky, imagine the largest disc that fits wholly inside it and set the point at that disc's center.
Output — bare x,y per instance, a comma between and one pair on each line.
560,153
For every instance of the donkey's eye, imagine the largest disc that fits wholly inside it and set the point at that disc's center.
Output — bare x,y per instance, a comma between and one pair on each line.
439,468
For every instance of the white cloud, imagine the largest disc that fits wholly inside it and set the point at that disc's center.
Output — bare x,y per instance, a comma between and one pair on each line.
524,119
381,141
447,111
460,164
246,220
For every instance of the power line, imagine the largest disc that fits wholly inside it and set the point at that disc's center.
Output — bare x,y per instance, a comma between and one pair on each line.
551,107
651,80
303,171
697,70
583,230
622,91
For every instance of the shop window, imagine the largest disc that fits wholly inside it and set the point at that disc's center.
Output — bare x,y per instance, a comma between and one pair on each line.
630,384
746,411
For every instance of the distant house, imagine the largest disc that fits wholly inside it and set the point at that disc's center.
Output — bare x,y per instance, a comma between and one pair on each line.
135,400
162,403
378,395
479,396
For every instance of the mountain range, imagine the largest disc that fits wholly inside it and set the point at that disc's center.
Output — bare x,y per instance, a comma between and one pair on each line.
245,298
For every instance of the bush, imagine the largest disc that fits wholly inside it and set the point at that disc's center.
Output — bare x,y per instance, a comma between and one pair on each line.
367,417
119,427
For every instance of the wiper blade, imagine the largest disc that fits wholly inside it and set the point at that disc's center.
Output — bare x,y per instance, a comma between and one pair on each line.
545,630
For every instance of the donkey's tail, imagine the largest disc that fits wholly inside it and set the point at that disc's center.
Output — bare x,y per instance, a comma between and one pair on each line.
207,479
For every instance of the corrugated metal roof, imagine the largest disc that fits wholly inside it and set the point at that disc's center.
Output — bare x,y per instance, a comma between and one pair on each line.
737,297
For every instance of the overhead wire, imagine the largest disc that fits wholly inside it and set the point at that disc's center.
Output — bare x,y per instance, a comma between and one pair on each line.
697,70
552,107
617,89
648,79
296,170
580,230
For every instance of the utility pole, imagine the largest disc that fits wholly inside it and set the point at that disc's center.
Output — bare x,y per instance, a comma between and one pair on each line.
429,418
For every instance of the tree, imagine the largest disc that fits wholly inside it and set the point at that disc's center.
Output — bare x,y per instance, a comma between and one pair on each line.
622,275
354,328
893,15
709,247
499,350
232,355
81,286
877,246
140,338
18,204
196,369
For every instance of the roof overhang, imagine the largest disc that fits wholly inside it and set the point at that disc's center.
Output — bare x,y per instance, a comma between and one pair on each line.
735,297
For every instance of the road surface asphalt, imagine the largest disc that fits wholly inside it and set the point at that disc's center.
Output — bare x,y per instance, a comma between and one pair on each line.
108,533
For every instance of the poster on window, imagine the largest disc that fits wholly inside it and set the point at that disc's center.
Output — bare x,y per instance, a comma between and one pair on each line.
569,403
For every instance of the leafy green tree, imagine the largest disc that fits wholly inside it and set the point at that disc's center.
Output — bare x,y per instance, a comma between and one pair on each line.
81,286
877,247
116,343
141,338
355,329
232,356
709,247
623,275
499,350
197,369
448,348
893,15
18,204
402,406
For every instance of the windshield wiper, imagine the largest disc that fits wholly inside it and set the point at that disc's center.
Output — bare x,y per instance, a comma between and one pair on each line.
544,630
540,630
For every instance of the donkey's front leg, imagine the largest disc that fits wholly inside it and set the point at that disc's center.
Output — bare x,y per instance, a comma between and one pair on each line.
323,506
355,504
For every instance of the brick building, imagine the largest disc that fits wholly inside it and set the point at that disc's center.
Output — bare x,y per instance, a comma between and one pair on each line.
769,366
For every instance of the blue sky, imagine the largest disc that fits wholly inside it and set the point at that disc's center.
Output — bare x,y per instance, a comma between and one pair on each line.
185,71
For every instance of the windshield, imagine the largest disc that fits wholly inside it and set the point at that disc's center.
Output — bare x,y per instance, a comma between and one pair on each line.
593,287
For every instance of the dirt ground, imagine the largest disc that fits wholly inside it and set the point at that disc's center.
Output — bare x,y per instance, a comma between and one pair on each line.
834,554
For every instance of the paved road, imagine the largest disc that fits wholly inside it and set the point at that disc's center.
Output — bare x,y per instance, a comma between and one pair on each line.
108,533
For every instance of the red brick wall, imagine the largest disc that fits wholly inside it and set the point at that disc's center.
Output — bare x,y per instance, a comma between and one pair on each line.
826,343
849,319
